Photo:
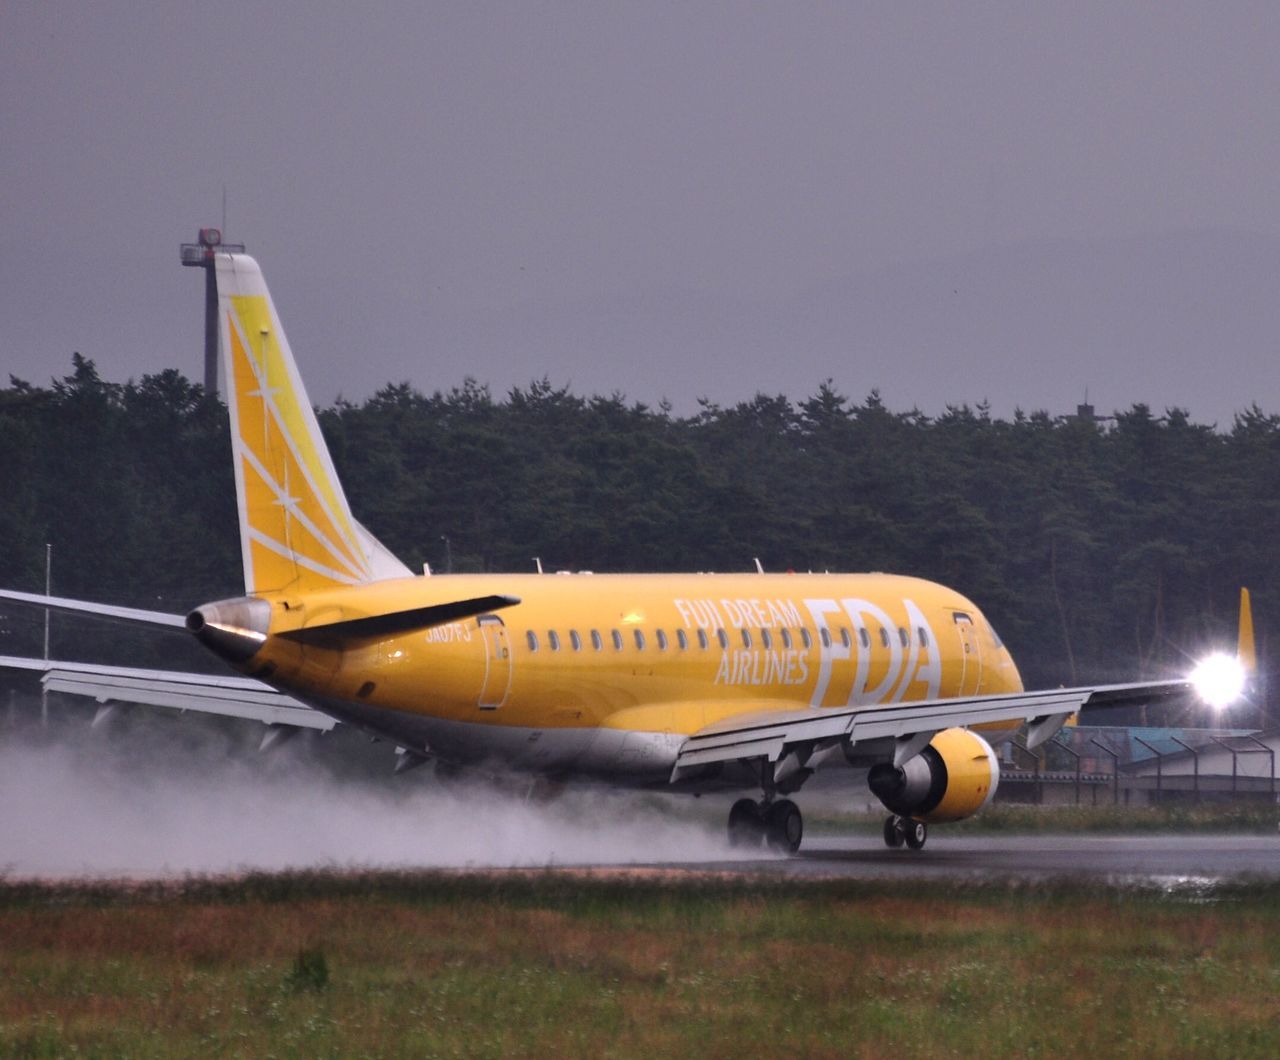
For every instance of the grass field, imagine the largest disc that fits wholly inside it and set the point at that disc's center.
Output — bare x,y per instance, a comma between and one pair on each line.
550,964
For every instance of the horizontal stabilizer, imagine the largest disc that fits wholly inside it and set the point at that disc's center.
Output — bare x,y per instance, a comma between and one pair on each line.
110,612
335,634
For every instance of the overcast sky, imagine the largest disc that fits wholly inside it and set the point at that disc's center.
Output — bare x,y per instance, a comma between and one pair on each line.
948,202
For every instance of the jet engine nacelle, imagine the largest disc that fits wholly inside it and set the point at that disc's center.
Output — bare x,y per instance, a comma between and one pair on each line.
952,778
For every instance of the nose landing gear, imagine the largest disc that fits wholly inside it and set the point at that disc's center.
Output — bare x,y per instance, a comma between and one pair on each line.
777,824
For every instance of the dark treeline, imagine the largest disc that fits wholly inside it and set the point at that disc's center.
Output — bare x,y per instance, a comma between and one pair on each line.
1100,550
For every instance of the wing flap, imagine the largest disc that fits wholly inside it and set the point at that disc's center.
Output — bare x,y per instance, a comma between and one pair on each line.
769,734
761,735
232,697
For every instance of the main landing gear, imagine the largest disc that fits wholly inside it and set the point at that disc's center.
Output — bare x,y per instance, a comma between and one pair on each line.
776,824
899,830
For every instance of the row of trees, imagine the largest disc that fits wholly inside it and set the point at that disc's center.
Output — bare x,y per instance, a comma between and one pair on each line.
1100,550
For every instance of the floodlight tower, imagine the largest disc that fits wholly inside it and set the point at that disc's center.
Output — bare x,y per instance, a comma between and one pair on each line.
200,255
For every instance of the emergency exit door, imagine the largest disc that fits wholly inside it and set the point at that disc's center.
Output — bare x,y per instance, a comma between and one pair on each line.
970,654
497,662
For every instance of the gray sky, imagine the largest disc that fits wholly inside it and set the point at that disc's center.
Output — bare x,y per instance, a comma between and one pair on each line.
948,202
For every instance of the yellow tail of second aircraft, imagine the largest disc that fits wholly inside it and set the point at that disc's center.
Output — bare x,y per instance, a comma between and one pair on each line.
1246,652
297,532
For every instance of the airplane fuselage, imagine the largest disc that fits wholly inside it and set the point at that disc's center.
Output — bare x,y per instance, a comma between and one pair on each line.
608,674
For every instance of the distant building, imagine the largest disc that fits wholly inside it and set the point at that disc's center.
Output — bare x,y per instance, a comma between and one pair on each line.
1141,765
1088,414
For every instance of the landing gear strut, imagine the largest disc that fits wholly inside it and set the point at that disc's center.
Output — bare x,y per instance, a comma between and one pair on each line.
899,830
778,824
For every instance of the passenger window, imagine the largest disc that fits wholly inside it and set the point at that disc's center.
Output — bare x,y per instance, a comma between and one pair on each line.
617,639
746,638
723,638
702,639
682,639
884,637
904,636
845,639
785,634
825,636
863,637
596,642
924,637
766,639
553,639
662,640
805,638
639,635
532,638
575,640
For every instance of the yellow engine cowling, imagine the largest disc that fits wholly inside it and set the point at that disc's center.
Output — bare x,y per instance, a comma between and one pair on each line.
952,778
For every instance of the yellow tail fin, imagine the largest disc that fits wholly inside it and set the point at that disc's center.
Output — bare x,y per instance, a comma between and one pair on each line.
1245,650
297,532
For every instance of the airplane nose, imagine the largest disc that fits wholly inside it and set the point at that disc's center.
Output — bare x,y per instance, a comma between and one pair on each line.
234,629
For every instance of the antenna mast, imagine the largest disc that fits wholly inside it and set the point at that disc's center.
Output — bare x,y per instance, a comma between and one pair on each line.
200,255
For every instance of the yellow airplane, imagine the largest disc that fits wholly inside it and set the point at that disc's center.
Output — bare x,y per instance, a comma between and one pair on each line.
688,682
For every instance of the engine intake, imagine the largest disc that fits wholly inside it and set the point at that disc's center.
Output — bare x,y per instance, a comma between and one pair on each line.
952,778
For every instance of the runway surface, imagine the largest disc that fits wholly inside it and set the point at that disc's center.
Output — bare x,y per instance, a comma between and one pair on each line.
1150,859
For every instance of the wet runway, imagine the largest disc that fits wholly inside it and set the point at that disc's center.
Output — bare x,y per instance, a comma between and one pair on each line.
1126,858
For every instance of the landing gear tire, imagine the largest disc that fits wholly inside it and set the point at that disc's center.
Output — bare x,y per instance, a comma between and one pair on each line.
894,832
917,832
783,827
746,825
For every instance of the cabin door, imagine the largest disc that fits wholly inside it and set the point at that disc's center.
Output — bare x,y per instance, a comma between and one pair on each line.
970,655
497,662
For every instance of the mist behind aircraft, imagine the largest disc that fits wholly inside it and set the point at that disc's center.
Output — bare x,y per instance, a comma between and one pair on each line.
177,797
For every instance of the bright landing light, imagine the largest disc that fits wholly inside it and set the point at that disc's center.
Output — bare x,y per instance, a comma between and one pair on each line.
1219,679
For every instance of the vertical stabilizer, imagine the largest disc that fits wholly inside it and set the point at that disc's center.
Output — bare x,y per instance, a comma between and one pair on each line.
1245,650
296,531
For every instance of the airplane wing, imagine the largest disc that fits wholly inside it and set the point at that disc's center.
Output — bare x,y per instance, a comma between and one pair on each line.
132,615
232,697
229,696
791,738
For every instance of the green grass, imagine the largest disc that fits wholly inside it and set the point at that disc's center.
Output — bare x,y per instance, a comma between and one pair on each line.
551,964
